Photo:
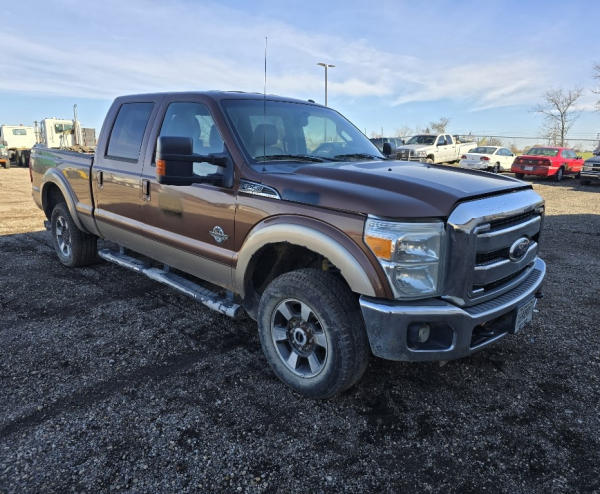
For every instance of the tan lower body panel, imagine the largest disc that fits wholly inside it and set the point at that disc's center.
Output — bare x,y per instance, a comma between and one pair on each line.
205,269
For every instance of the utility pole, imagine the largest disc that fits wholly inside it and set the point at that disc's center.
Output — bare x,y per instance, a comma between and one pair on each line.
325,66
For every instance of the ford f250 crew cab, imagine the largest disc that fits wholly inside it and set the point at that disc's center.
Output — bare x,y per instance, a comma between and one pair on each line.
284,210
432,148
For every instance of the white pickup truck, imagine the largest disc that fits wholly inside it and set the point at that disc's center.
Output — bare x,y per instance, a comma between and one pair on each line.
433,148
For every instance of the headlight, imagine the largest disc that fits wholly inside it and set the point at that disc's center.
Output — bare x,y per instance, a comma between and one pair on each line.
409,253
421,154
587,168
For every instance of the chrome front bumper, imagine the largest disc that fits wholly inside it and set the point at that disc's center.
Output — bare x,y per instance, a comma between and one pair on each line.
455,331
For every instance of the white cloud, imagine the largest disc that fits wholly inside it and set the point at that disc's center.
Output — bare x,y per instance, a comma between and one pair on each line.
111,48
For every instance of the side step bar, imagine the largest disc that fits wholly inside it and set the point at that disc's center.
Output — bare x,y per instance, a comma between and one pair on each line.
203,295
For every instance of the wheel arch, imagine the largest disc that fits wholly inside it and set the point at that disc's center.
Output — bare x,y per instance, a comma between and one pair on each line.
309,241
56,189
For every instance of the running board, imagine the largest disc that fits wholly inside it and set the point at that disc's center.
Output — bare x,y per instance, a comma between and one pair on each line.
203,295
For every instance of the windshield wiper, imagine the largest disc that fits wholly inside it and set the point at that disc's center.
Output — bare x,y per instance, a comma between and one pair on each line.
290,157
359,155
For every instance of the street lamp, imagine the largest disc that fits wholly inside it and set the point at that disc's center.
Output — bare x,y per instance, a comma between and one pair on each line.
325,66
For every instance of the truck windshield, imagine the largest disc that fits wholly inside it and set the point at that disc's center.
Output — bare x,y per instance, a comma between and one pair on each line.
421,140
276,131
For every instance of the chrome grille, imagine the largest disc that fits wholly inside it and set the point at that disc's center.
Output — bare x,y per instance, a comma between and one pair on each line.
405,154
481,234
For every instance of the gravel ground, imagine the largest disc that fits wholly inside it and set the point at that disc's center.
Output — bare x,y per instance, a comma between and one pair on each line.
109,381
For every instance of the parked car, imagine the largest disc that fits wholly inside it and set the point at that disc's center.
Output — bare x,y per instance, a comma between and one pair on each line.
493,158
395,143
246,205
432,148
591,170
548,162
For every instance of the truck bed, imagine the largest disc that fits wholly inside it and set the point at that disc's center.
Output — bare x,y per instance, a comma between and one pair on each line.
75,169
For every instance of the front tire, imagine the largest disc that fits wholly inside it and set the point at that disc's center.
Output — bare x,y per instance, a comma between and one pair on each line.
73,247
584,181
312,333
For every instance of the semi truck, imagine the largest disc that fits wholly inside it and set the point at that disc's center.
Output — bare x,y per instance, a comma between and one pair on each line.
16,142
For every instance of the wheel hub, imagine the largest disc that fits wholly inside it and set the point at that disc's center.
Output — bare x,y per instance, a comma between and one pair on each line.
299,337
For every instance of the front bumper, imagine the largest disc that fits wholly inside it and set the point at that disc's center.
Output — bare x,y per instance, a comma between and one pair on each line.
590,175
455,331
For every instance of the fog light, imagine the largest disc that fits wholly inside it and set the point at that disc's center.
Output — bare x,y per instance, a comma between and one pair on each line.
419,332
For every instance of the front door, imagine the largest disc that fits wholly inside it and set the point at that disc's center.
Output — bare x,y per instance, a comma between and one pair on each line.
195,223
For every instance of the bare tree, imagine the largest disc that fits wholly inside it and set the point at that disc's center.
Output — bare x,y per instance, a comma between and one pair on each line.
403,132
558,111
440,126
597,77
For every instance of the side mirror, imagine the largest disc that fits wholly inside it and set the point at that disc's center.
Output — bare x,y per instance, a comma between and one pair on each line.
579,157
175,162
387,149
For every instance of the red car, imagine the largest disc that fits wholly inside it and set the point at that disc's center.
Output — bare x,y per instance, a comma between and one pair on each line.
547,162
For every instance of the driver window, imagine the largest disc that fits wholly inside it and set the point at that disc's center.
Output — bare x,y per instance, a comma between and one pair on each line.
193,120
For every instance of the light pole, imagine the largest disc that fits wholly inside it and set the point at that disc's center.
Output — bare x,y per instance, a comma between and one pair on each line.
325,66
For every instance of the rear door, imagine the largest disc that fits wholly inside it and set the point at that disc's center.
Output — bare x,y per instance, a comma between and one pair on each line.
116,176
505,158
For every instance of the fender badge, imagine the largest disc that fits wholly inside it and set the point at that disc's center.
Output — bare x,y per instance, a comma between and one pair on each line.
218,234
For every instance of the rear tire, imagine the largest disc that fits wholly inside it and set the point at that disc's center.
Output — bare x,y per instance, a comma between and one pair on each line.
519,175
496,168
312,333
73,247
559,174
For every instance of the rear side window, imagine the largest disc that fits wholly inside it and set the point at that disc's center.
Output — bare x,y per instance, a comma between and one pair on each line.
125,140
19,132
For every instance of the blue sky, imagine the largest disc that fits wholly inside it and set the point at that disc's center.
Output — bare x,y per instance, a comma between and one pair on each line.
484,65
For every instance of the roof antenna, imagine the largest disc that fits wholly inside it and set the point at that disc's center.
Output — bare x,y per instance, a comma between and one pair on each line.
265,107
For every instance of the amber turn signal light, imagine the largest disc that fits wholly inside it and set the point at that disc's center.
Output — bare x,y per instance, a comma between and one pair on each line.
381,247
161,167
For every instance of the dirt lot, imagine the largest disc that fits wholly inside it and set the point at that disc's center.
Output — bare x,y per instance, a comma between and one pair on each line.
109,381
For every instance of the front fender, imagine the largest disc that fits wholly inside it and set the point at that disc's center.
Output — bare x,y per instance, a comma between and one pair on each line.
354,265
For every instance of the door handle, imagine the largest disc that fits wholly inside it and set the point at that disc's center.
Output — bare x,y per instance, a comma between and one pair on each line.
100,179
146,189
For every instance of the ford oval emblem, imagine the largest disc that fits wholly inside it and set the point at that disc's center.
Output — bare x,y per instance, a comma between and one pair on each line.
518,249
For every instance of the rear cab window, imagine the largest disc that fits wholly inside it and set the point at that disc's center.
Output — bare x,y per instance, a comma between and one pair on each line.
125,141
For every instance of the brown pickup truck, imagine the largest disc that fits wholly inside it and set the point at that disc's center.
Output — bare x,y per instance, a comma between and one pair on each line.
282,209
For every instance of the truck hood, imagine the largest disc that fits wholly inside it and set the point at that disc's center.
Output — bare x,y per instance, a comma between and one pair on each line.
415,146
392,189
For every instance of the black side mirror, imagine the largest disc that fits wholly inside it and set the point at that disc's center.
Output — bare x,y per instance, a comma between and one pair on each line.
579,157
387,149
175,162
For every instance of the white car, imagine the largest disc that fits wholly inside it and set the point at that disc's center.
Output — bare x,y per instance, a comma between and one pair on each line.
493,158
